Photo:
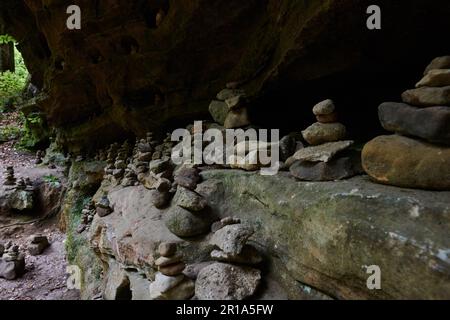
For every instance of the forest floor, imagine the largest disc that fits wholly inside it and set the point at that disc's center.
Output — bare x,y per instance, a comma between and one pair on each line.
45,275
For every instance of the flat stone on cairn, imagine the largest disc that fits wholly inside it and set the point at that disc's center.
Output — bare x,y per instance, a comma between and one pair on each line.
431,123
327,159
421,158
170,282
435,78
438,63
231,242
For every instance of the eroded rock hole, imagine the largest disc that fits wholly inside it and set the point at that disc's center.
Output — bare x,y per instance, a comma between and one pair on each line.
124,291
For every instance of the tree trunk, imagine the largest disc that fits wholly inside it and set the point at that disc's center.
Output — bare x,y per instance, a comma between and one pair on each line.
7,57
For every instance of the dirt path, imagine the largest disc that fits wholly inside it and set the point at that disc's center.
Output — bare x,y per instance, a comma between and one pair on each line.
45,275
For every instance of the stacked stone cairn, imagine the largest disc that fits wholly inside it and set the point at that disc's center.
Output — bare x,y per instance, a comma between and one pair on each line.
232,277
418,154
143,154
121,162
103,207
327,158
159,180
21,185
230,108
110,159
101,155
189,215
12,262
170,282
37,244
230,111
8,176
87,215
39,156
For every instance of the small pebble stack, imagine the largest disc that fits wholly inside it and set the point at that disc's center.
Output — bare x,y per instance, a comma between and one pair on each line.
87,215
8,176
170,282
12,262
103,207
327,158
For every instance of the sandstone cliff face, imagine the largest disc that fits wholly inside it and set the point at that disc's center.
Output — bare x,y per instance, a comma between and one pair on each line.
318,234
127,71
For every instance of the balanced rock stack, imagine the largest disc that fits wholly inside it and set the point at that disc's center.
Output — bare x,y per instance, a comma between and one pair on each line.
130,178
110,159
21,185
103,207
159,179
12,262
121,162
231,278
189,216
170,282
143,155
8,176
327,158
39,156
418,155
230,109
37,244
87,215
101,155
163,150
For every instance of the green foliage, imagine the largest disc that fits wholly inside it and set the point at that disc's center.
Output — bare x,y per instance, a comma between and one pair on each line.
52,180
34,131
6,39
12,83
8,133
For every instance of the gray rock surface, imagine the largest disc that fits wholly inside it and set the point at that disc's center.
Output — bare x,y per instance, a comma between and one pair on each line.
221,281
432,123
337,169
427,97
189,200
324,152
232,238
183,223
